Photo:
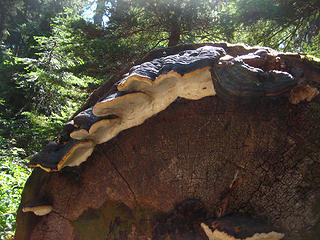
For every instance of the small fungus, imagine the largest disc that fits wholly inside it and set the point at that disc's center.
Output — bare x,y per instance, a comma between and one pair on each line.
97,129
39,209
238,228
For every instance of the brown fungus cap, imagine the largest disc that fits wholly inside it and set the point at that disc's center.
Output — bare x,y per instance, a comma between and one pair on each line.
68,127
88,126
238,228
85,119
99,132
236,81
55,156
185,62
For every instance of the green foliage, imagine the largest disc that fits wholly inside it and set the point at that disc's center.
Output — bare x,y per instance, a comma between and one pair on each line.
38,95
285,25
12,178
166,22
21,20
8,69
32,130
80,47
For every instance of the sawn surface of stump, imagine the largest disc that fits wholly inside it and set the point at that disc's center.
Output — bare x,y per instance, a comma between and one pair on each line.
129,187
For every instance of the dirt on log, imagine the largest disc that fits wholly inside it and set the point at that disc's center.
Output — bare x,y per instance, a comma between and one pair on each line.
193,161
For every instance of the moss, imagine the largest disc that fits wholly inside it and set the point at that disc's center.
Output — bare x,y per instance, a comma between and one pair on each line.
104,223
144,219
114,220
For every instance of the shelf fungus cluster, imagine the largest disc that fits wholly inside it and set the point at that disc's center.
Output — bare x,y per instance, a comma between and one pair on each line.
146,90
151,87
238,228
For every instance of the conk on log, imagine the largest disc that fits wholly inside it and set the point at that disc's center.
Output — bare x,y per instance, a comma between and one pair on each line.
200,141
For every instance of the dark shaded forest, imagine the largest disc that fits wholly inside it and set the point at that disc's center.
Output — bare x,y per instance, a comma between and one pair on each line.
53,54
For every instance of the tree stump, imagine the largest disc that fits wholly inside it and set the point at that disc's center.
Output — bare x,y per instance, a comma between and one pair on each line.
193,161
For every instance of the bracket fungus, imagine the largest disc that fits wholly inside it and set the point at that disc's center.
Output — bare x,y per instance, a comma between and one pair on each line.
185,75
151,87
55,156
186,62
236,81
89,126
82,123
256,59
146,90
38,208
238,228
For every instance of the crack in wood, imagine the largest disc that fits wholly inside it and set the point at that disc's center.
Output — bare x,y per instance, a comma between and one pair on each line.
100,150
61,216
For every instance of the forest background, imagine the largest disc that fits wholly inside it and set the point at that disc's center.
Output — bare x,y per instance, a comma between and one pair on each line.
54,53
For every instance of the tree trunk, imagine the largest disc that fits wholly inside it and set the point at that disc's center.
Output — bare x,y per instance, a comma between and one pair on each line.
135,185
98,16
174,36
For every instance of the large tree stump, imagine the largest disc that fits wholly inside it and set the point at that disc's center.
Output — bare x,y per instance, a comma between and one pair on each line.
137,185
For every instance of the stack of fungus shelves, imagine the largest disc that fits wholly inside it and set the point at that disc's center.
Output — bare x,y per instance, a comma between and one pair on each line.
151,87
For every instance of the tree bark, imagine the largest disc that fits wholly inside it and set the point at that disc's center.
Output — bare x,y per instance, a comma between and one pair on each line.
174,36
